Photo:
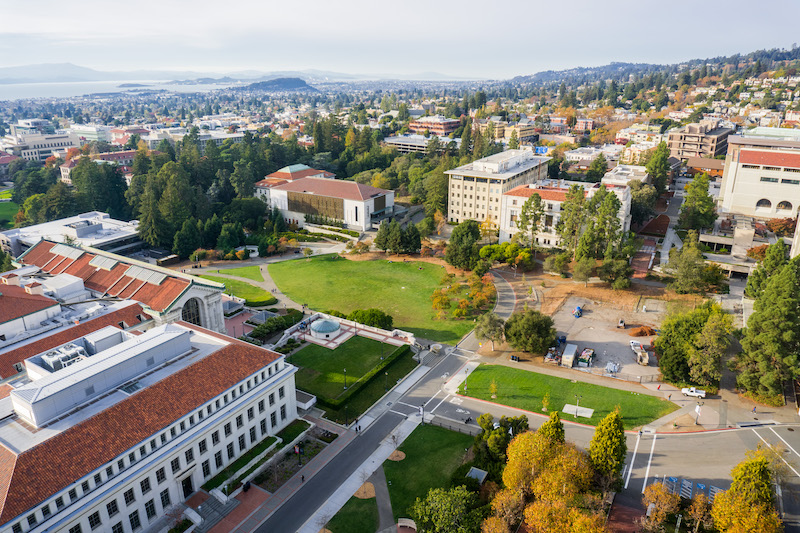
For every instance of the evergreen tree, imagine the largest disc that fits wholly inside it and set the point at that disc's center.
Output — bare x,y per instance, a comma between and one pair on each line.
491,327
553,429
597,169
462,250
211,231
153,229
382,237
698,210
5,262
530,218
608,449
572,217
242,179
412,241
689,269
530,331
187,240
513,142
771,343
658,167
466,139
395,237
774,260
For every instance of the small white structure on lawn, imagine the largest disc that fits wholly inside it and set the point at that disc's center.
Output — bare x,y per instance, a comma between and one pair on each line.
324,328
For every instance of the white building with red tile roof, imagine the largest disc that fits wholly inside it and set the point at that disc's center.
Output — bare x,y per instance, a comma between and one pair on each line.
553,194
354,204
761,177
111,431
166,295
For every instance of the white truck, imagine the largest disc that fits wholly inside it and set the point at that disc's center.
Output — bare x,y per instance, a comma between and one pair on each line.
691,391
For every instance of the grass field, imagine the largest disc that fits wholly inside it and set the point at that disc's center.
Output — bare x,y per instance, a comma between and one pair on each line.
253,295
322,369
7,212
250,272
371,393
5,194
432,455
402,290
524,389
357,516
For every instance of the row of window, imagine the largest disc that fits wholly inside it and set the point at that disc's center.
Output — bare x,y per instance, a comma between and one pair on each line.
774,169
783,180
766,204
99,478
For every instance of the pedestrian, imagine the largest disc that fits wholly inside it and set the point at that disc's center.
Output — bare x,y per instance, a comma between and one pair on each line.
640,433
754,409
302,479
659,386
669,397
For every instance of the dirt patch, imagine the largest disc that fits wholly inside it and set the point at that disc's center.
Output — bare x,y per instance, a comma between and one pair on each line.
397,455
684,424
323,530
380,256
642,331
365,491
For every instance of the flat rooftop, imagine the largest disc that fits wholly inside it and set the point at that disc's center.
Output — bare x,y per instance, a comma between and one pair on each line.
502,166
19,436
87,229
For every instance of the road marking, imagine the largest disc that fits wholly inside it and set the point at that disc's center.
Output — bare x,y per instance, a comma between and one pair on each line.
782,459
431,399
404,415
440,403
786,443
409,405
633,459
649,460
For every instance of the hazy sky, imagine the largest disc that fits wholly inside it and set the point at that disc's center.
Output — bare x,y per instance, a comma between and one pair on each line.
465,38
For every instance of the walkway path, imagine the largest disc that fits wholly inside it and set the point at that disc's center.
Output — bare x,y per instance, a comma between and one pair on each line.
385,513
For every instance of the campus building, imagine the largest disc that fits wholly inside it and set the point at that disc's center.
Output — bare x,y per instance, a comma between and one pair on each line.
553,194
761,177
475,189
37,146
706,139
417,144
356,205
94,229
166,295
436,125
111,430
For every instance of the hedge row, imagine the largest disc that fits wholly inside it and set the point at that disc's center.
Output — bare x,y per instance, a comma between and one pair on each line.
366,379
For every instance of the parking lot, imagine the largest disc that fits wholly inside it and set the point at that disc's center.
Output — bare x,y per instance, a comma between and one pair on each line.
597,329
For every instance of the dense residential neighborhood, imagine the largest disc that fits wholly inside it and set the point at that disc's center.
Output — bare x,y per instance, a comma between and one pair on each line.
562,301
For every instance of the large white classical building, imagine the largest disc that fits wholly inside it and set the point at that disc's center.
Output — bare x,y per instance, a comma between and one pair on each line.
475,189
761,177
553,194
109,430
166,295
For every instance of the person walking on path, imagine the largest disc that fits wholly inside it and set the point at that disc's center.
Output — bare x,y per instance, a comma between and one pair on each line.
754,409
302,479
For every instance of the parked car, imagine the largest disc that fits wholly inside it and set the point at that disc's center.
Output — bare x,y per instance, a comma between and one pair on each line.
692,391
636,346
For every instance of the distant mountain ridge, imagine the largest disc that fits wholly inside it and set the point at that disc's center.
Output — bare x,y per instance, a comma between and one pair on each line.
279,85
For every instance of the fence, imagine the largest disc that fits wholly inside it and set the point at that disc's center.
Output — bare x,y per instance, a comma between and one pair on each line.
454,426
653,378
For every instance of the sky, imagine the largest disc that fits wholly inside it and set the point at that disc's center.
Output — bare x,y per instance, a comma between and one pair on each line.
465,39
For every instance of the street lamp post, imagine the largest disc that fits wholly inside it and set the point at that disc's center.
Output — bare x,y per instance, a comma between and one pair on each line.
345,379
577,404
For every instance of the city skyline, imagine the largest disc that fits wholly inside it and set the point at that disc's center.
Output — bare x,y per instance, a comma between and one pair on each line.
381,39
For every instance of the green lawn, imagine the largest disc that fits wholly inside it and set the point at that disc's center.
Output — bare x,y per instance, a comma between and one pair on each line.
525,389
253,295
250,272
357,516
371,393
432,455
402,290
322,369
7,212
5,194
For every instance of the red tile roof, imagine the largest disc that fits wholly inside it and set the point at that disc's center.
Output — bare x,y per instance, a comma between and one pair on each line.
17,355
29,478
554,194
772,159
157,297
348,190
270,182
296,175
15,303
5,159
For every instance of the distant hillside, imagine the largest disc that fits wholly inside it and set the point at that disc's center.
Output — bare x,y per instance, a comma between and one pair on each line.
280,85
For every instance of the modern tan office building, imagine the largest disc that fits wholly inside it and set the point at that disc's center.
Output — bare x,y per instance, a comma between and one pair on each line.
476,189
706,139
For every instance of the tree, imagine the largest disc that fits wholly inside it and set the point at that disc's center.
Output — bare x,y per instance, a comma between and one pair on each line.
513,141
491,327
699,511
658,167
153,229
774,259
412,241
771,342
688,268
553,429
372,317
708,347
447,511
5,262
643,201
617,272
530,217
394,239
187,240
382,237
570,224
597,168
698,210
530,331
583,270
678,337
749,505
243,179
462,250
661,502
608,449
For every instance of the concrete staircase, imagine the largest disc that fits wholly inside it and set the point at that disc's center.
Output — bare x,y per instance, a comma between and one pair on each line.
212,511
